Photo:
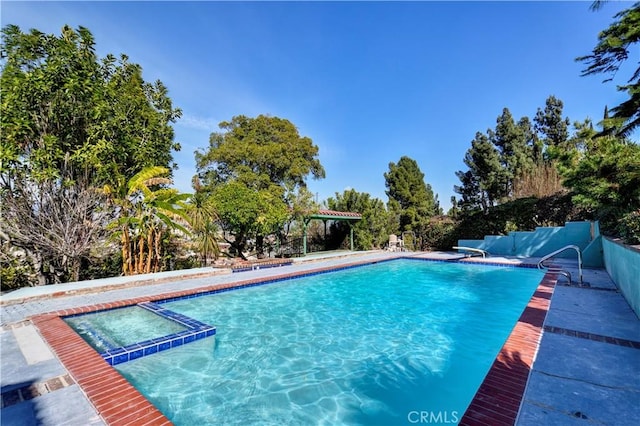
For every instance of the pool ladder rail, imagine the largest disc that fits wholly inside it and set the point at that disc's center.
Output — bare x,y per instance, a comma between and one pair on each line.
472,250
559,270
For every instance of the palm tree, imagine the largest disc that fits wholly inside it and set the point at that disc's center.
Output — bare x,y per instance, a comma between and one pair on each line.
145,210
203,218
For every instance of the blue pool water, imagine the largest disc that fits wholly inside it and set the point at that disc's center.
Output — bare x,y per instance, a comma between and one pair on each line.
121,327
367,345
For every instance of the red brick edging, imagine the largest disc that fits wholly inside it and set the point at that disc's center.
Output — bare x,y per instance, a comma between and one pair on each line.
497,401
115,399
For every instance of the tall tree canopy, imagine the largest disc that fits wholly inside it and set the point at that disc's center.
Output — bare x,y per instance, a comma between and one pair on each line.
373,230
259,152
514,142
70,123
409,195
484,183
514,158
603,174
252,168
552,128
611,52
61,104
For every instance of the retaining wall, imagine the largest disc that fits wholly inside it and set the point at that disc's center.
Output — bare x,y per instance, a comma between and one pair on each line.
545,240
623,266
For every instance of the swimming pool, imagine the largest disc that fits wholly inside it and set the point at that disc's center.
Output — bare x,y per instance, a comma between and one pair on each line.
368,345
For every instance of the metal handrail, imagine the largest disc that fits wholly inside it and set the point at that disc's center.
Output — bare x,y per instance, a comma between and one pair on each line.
560,250
484,253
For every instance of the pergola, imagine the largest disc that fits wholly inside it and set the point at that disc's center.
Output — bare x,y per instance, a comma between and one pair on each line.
325,215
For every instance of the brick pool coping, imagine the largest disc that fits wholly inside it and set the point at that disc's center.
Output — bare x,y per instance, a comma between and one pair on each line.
499,397
496,402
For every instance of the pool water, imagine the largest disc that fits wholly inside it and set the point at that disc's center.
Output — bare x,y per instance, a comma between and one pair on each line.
367,345
114,328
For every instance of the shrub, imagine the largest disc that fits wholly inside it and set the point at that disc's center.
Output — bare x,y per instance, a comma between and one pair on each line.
15,274
439,234
629,227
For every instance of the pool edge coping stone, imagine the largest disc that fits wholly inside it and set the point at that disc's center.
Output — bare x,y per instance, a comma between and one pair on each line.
499,398
71,349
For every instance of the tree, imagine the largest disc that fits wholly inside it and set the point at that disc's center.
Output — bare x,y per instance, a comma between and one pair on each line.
246,212
607,57
301,204
54,224
146,210
484,184
514,143
259,152
71,123
266,161
61,105
132,127
550,125
372,231
516,159
202,218
409,195
606,179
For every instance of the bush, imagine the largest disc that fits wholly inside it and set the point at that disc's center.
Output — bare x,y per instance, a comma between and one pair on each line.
629,227
439,234
14,276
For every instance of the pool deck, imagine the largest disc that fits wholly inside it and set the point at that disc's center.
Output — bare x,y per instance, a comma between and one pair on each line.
572,358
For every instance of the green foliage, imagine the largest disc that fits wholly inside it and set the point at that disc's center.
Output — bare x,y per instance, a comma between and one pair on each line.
203,217
70,123
245,211
372,231
107,262
61,104
606,179
500,161
254,168
136,114
439,234
614,47
629,227
14,273
147,211
514,142
483,184
259,152
524,214
551,127
409,196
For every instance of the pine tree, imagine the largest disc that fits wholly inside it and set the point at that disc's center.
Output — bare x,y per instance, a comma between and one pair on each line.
409,194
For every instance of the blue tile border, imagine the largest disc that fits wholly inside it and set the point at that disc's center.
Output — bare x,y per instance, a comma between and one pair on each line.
464,261
338,268
196,330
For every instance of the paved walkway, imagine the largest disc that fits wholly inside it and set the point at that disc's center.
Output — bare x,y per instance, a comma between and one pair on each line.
587,370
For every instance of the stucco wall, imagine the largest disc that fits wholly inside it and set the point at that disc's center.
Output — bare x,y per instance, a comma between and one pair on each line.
623,265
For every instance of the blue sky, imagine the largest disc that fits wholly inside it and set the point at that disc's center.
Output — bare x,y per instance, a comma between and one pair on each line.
369,82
